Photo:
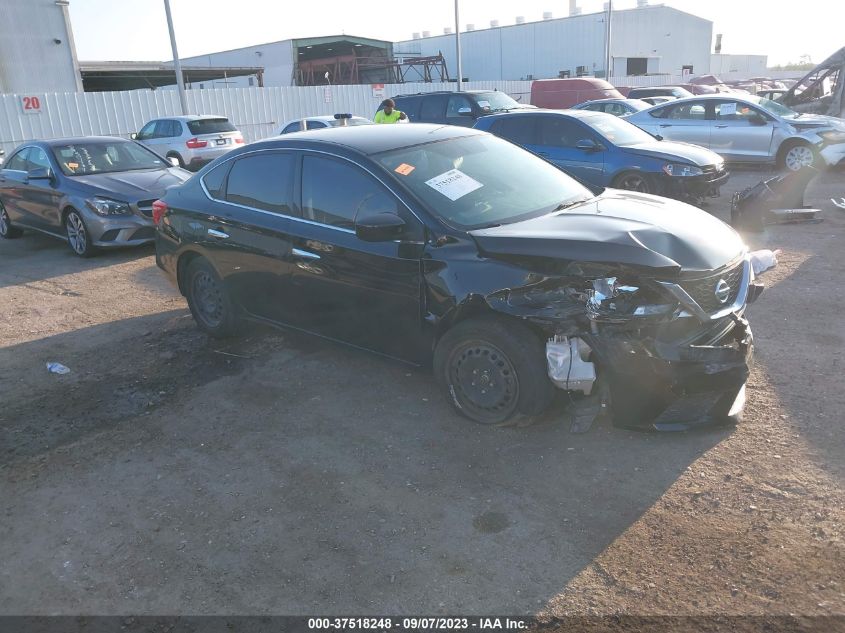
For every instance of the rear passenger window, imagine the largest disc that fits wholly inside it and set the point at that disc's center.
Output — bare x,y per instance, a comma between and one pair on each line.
517,129
433,108
314,125
687,111
262,181
18,161
215,179
333,193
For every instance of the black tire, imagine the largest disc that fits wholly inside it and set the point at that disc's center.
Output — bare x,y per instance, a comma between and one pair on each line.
78,237
210,304
177,157
7,231
493,371
633,181
806,155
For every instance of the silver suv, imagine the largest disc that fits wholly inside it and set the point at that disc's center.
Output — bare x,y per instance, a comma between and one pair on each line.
193,140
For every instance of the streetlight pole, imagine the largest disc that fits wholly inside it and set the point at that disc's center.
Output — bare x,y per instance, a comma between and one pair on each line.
177,65
608,55
458,46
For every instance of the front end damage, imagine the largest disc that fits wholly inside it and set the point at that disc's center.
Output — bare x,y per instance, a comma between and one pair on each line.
650,353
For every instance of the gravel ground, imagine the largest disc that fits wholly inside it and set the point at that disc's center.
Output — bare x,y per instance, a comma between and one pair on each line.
280,474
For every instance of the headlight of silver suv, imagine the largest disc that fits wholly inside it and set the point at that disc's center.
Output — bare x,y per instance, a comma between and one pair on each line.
107,206
671,169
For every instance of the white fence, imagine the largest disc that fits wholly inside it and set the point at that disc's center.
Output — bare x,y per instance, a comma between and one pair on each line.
257,112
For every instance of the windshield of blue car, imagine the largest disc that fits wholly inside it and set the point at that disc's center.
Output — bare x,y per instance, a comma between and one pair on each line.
496,102
773,106
480,181
102,157
618,131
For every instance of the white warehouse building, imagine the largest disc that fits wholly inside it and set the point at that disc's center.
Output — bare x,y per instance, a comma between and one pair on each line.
645,40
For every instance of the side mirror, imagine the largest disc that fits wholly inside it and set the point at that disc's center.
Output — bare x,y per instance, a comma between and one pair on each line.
174,162
465,111
42,173
380,227
757,119
658,137
587,145
134,136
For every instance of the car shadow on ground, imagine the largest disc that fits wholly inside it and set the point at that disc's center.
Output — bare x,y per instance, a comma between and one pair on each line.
280,473
44,257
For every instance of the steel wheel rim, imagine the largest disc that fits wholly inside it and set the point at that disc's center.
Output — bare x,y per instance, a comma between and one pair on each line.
208,299
485,381
76,233
798,157
634,182
4,222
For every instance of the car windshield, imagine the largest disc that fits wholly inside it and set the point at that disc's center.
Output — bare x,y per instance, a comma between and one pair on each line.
618,131
481,181
356,120
496,102
773,106
102,157
210,126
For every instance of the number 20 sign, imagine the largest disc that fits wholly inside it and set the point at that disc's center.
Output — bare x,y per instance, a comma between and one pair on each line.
31,104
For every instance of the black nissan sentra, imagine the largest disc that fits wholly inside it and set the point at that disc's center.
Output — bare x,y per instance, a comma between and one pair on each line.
446,246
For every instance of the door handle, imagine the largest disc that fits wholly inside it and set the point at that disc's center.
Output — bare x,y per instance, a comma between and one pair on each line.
306,254
721,126
665,125
218,234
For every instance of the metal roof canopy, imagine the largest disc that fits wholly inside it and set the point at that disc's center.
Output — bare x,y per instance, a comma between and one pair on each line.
117,76
335,46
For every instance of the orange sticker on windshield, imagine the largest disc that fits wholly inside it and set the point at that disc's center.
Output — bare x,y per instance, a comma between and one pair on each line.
404,169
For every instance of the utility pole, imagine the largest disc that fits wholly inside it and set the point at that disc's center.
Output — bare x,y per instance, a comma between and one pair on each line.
458,46
177,65
608,55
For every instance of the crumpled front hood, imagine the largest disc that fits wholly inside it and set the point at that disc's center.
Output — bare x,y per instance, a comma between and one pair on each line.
675,152
133,185
813,121
619,227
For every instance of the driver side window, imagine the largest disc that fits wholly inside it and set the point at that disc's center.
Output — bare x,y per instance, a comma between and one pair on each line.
18,161
146,131
37,159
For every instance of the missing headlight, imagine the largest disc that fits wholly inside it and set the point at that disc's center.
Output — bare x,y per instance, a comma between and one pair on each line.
613,301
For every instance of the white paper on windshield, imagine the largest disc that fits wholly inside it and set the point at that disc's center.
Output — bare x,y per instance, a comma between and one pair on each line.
454,184
727,109
484,105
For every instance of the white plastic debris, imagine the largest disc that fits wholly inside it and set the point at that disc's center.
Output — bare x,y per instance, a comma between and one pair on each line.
763,260
838,203
57,368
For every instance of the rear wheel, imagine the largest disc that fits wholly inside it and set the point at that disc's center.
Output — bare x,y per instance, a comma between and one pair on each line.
797,155
210,304
7,231
493,371
633,181
78,237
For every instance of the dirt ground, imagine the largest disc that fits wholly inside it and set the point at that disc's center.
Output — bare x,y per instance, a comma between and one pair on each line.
280,474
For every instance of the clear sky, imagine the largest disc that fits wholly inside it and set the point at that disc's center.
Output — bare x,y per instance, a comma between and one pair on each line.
137,30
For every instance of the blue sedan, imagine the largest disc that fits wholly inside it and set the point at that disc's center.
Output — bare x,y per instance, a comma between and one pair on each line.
606,151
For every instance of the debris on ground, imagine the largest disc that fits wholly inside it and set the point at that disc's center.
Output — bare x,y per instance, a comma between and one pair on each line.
763,260
57,368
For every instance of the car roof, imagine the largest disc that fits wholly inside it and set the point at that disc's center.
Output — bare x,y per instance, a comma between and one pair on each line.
613,100
370,139
191,117
575,114
446,92
72,140
323,117
720,96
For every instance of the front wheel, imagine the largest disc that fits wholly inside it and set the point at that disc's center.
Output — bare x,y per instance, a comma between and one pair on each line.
78,237
798,155
633,181
7,231
493,370
208,299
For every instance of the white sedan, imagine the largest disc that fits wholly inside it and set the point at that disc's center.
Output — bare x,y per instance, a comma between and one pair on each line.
323,121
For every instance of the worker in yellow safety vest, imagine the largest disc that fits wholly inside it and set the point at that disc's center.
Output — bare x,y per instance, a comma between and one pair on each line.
389,113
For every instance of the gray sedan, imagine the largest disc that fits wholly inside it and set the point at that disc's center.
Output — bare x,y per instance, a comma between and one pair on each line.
748,129
616,107
95,192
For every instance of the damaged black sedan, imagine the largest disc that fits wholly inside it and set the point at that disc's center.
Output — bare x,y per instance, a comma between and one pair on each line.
449,247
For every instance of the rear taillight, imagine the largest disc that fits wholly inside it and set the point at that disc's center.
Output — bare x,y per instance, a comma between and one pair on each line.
159,209
239,141
195,143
